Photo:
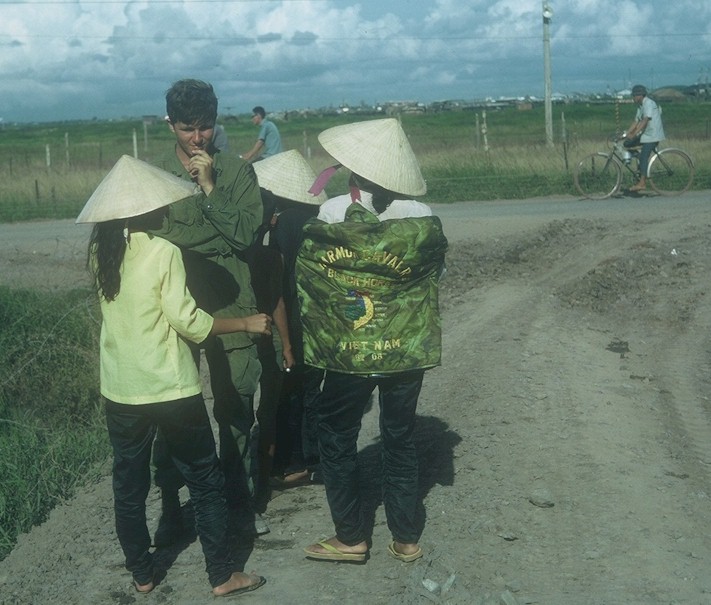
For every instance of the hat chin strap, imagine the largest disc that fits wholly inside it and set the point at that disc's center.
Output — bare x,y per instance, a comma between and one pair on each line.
322,179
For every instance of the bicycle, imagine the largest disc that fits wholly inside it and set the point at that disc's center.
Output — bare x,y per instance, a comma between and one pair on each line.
597,176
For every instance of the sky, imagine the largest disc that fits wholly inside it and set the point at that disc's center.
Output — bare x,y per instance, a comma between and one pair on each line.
110,59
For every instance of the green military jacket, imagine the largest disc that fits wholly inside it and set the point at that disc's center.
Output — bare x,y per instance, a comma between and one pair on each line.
214,233
368,292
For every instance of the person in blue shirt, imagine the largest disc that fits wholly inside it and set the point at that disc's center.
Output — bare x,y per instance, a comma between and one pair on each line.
269,140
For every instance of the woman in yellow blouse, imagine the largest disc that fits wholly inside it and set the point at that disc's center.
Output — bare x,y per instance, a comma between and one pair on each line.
149,378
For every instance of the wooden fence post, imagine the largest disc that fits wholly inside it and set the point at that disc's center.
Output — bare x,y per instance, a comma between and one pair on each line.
564,137
477,142
483,131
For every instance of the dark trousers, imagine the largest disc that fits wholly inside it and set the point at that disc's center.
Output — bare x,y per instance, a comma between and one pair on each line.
234,412
302,394
265,430
270,384
232,374
189,441
311,396
644,155
340,412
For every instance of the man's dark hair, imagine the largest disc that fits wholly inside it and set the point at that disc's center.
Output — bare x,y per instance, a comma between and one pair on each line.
191,102
259,110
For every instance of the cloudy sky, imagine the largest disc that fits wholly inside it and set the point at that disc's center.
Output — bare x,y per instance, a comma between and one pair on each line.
75,59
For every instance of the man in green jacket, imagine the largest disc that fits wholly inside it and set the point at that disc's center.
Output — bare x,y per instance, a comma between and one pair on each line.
214,229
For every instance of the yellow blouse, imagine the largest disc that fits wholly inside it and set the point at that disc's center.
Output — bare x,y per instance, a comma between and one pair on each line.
144,354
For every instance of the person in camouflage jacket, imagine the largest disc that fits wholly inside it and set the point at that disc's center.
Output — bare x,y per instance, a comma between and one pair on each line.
367,276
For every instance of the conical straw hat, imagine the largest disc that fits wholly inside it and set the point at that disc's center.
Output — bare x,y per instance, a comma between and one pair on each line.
133,187
288,175
379,151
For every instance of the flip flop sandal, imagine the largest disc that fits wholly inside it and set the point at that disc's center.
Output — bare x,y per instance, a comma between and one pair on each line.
333,554
249,588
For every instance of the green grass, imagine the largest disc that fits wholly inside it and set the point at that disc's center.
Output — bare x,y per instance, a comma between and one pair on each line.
52,433
458,161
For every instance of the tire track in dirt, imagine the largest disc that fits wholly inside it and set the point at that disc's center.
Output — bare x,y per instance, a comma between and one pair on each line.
685,389
587,406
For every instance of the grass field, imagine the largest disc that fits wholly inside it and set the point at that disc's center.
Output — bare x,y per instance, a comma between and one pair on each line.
458,160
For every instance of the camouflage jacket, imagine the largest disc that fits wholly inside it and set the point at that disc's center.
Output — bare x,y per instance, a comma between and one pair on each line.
368,292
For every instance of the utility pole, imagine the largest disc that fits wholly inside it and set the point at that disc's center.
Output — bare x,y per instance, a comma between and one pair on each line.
547,86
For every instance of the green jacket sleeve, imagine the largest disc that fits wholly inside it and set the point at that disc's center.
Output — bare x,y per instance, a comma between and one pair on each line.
234,207
223,222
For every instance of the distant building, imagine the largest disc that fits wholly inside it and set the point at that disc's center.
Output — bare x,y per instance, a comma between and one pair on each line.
669,95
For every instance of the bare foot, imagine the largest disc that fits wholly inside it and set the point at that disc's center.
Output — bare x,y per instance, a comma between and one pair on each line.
405,548
405,551
144,588
238,582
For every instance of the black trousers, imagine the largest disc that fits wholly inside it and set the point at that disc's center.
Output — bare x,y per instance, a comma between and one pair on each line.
232,373
189,441
302,393
339,415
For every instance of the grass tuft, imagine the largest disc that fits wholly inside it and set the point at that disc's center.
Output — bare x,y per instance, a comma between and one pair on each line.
52,432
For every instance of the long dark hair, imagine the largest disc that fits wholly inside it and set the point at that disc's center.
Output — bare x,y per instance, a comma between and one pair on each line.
382,197
107,247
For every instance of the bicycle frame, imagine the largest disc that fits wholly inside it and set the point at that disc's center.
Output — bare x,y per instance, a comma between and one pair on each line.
599,175
618,151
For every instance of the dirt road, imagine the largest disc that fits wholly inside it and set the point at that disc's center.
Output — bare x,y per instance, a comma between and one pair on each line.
564,444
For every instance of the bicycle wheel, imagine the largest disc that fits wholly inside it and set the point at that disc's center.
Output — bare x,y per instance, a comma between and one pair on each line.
670,171
598,175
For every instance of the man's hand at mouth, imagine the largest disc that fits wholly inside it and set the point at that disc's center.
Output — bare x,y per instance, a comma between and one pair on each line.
200,168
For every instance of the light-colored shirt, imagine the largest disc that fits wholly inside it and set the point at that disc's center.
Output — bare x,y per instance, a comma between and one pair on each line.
654,130
334,209
269,133
144,354
219,139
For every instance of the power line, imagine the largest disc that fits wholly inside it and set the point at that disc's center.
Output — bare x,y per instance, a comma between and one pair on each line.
318,38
